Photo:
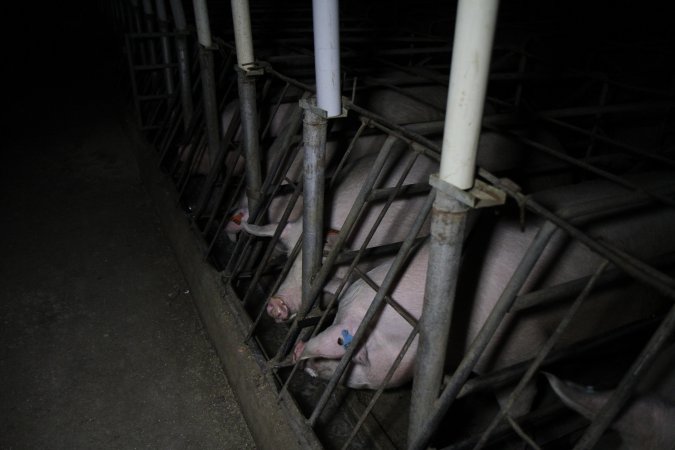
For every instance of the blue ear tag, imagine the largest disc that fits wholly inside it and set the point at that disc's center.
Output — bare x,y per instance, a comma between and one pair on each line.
346,339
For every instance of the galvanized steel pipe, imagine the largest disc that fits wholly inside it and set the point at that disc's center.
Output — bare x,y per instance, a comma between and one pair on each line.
242,33
448,221
250,129
462,373
472,47
149,28
314,137
183,62
327,55
208,78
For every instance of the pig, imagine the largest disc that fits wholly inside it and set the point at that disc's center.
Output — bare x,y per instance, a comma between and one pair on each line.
285,303
647,420
521,334
385,339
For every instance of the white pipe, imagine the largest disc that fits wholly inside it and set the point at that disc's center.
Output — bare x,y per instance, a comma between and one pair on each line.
327,55
178,14
202,20
471,51
242,33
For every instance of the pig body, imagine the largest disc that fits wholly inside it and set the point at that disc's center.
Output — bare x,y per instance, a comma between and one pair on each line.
646,421
521,334
393,228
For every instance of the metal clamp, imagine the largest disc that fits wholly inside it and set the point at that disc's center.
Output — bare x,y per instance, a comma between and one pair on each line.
250,69
310,104
481,195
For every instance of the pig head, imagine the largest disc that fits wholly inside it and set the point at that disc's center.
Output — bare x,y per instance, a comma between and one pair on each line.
384,339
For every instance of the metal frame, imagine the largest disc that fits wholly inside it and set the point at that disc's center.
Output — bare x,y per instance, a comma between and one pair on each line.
250,261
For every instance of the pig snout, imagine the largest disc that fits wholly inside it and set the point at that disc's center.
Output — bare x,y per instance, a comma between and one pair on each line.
277,309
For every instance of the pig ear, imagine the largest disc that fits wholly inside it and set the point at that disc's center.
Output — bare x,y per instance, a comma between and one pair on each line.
578,398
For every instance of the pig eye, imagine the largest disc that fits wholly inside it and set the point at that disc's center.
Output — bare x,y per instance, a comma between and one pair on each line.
340,341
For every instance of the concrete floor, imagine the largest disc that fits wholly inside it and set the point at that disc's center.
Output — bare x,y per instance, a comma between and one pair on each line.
101,346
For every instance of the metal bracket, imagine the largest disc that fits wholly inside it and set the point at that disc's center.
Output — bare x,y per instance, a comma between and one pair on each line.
250,70
310,104
481,195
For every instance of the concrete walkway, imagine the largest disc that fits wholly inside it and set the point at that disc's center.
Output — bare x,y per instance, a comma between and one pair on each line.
101,346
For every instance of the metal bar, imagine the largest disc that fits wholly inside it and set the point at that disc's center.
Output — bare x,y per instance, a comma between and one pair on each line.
622,393
149,15
385,381
162,20
314,137
632,266
463,371
616,144
217,164
183,57
352,217
209,101
373,309
541,354
448,221
472,48
274,111
509,374
250,129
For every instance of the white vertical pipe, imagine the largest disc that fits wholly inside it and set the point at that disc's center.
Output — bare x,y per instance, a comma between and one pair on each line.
202,20
472,48
327,55
242,33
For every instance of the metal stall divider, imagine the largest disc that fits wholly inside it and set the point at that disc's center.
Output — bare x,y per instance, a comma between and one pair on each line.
250,267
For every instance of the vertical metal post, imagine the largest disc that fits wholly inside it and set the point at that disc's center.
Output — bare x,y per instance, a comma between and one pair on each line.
163,22
149,28
448,220
480,342
183,62
314,138
208,78
250,136
138,28
472,48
